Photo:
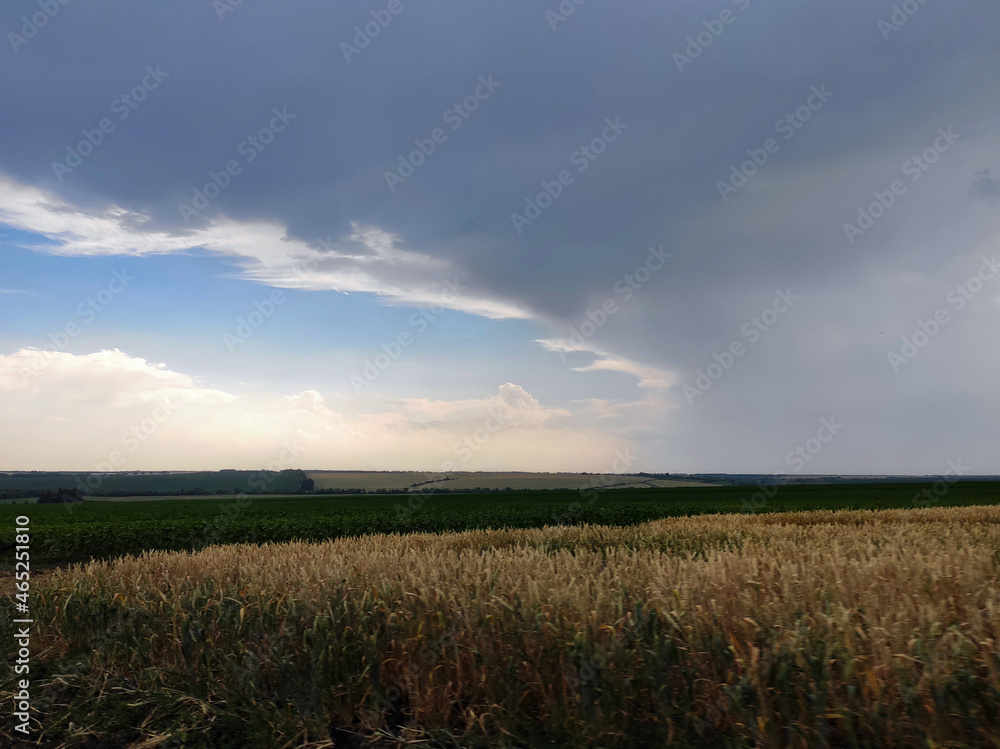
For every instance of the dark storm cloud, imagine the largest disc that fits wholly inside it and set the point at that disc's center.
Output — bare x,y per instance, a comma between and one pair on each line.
985,187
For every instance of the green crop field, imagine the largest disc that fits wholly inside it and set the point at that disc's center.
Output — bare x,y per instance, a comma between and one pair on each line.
102,529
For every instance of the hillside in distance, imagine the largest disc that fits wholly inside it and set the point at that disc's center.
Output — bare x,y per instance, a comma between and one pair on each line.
26,484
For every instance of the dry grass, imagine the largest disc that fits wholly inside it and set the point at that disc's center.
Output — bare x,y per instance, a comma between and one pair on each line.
804,629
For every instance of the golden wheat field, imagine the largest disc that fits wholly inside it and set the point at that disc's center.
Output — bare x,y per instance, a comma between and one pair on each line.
848,628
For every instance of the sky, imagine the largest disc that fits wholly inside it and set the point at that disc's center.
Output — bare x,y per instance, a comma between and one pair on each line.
727,236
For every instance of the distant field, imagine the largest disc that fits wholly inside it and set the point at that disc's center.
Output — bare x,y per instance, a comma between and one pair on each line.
106,528
200,483
812,629
366,479
484,480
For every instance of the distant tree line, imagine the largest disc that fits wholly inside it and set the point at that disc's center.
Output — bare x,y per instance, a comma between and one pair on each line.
59,496
49,495
52,496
